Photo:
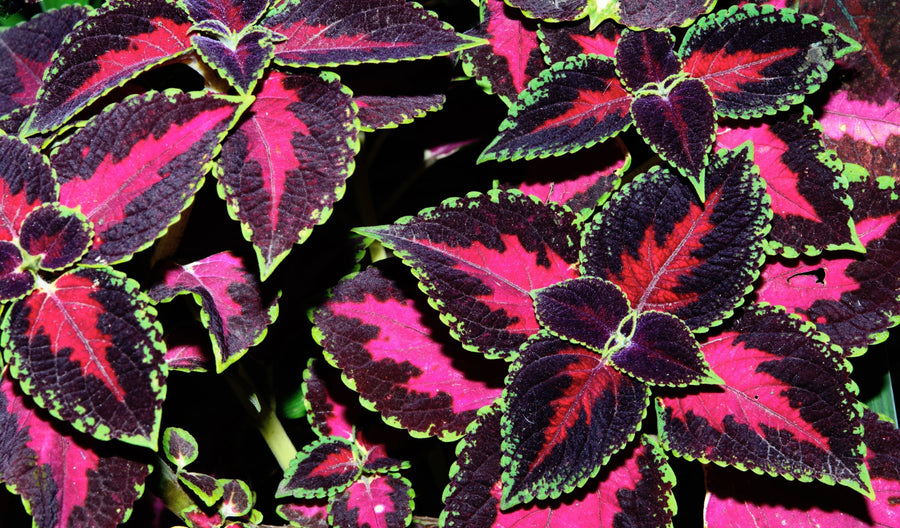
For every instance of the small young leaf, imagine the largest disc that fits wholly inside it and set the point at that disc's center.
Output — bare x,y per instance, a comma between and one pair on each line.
59,236
237,498
63,480
479,257
206,487
571,105
88,348
323,468
179,446
379,500
118,42
243,62
358,31
232,306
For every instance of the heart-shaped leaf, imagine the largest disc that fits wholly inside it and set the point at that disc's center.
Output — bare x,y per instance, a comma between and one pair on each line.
232,306
63,480
122,40
243,62
153,151
377,500
88,349
479,257
787,405
693,261
285,166
323,468
572,105
57,235
358,31
234,14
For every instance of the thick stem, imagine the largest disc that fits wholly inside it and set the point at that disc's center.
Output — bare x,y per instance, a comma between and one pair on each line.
169,490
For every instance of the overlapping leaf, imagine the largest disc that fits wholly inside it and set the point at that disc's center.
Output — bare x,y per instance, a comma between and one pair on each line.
313,515
553,11
695,261
658,14
358,31
787,407
377,112
283,168
120,41
149,154
323,468
558,41
377,500
25,52
26,181
62,480
232,306
242,62
402,364
810,204
479,257
233,14
88,348
55,235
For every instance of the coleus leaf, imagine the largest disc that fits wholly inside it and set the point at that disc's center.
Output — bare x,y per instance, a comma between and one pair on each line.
242,62
478,258
659,14
693,261
232,306
644,57
14,282
56,235
179,446
566,412
512,56
286,164
571,105
63,480
237,498
376,500
810,204
306,514
743,501
377,112
88,348
323,468
787,406
151,153
757,60
26,51
369,328
359,31
552,11
27,180
234,14
118,42
207,488
561,41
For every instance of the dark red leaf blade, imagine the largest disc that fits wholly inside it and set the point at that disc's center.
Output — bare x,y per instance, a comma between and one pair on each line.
659,14
402,363
14,282
561,41
757,60
553,11
321,469
232,306
149,154
88,348
242,63
478,258
26,51
810,204
26,181
57,235
381,111
693,261
63,480
787,405
285,166
512,56
122,40
644,57
679,123
373,500
572,105
566,412
359,31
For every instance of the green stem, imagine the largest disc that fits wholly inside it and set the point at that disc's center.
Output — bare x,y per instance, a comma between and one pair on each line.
167,488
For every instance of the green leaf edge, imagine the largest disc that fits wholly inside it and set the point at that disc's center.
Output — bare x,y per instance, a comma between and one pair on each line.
209,499
263,41
185,436
318,493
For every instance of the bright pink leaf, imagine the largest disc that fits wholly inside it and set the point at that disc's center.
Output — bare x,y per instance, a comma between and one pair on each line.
377,500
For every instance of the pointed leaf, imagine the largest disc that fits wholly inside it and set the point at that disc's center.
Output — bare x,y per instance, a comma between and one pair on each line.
382,500
206,487
284,167
119,42
88,349
658,14
553,11
561,41
234,14
26,181
679,124
695,262
243,62
179,446
401,362
59,236
327,416
758,60
377,112
232,306
237,498
150,154
810,205
644,57
565,413
512,56
479,257
357,31
572,105
15,282
25,52
305,514
787,406
63,480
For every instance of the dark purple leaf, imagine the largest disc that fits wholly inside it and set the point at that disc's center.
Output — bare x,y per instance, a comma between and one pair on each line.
57,235
14,282
553,11
309,514
231,304
376,500
150,154
286,164
357,31
659,14
88,349
561,41
26,181
573,105
376,112
123,39
179,446
234,14
207,488
237,499
242,63
644,57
